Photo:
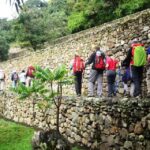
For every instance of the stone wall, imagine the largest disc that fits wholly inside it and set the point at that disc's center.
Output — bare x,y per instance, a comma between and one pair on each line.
92,122
115,36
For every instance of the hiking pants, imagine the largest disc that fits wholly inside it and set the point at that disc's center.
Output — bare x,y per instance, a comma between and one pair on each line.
78,82
126,89
95,76
137,75
111,76
148,80
14,83
1,84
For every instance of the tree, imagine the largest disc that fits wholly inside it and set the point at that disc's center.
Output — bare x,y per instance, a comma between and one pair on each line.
4,48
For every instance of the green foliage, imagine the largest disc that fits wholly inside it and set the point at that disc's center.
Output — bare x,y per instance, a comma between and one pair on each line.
41,21
77,21
33,26
129,7
35,90
4,48
14,136
47,85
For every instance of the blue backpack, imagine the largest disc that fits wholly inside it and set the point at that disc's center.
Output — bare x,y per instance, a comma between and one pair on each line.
126,76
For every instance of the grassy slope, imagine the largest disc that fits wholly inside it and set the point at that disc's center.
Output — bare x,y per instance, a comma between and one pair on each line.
14,136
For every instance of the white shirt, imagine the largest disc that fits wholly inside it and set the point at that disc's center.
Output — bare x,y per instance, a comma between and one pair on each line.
22,77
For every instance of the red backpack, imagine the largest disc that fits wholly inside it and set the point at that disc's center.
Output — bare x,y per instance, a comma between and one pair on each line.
78,65
99,62
30,71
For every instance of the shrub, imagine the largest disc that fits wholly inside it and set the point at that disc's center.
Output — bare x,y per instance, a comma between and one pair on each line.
4,49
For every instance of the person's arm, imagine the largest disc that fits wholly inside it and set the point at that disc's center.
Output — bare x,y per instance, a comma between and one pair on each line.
128,58
90,60
148,54
71,64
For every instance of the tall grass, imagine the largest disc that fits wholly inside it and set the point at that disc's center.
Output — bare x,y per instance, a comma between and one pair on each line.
14,136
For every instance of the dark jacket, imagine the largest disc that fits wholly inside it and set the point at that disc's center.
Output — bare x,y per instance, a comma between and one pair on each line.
127,60
91,60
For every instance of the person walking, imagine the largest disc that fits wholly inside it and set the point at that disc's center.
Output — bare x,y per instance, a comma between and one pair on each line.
136,58
14,78
148,72
78,66
127,81
98,61
30,75
111,65
22,77
2,80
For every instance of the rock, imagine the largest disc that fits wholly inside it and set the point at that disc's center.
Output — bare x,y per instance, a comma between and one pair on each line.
138,128
128,145
104,146
111,140
123,133
148,122
77,138
146,28
141,138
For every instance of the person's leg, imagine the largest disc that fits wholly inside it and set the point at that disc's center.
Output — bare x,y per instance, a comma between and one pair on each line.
111,75
80,83
13,84
132,87
148,81
109,83
76,82
125,87
99,84
1,85
136,81
140,76
114,78
92,79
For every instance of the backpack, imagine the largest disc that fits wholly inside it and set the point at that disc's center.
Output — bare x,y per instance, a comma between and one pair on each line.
139,55
15,76
99,62
2,75
127,75
112,63
31,71
78,65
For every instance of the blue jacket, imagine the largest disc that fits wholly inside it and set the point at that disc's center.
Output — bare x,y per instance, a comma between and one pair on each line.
148,51
126,76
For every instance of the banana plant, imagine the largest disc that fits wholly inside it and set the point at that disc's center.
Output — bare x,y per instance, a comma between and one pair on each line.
48,85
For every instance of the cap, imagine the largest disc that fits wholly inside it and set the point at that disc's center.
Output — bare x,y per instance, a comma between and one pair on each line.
98,53
134,41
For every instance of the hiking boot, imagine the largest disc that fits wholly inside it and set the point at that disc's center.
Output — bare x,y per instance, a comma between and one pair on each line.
89,95
138,97
78,95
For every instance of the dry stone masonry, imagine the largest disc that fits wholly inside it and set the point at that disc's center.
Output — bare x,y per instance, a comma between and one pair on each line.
114,36
106,124
116,124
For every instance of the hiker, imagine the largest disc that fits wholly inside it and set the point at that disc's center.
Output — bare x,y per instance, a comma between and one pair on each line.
2,80
97,59
30,75
22,77
14,78
148,71
127,81
77,65
111,65
136,58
